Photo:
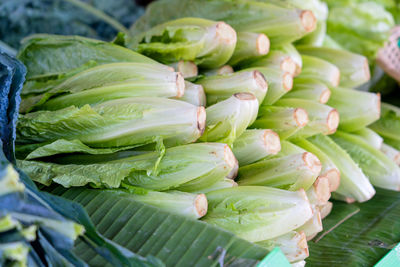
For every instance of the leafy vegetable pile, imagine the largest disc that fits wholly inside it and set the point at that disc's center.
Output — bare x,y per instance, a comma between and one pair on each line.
241,113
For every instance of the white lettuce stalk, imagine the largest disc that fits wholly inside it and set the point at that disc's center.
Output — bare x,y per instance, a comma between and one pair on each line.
319,193
194,94
353,182
221,87
292,52
257,213
313,226
317,37
289,148
311,89
225,69
187,68
293,244
321,187
290,172
224,169
323,118
190,205
354,68
279,83
221,184
329,169
326,209
275,59
370,137
249,45
228,119
318,196
253,145
355,115
319,69
282,120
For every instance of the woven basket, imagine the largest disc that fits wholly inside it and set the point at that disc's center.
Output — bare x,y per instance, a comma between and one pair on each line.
389,56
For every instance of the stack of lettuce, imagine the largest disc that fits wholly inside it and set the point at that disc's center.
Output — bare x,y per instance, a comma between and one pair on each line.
243,141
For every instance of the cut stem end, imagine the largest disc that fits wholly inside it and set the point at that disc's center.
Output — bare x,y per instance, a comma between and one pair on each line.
272,142
287,81
201,205
308,20
333,177
226,33
260,80
312,162
322,190
288,65
180,84
201,119
332,121
262,44
300,117
325,95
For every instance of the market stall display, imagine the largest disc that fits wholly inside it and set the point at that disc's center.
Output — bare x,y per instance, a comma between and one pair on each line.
240,119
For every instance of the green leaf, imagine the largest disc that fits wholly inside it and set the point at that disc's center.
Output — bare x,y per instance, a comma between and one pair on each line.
176,240
109,174
62,146
48,55
364,238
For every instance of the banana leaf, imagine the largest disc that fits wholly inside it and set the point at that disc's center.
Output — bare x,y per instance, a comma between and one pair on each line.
146,230
358,234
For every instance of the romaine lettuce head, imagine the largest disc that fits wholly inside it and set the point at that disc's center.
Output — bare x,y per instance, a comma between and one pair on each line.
258,213
228,119
208,43
107,82
116,123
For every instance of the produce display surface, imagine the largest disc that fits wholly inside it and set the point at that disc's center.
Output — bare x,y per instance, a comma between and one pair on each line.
209,133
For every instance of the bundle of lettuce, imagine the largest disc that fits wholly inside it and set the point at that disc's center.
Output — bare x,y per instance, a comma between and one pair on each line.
256,140
36,228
